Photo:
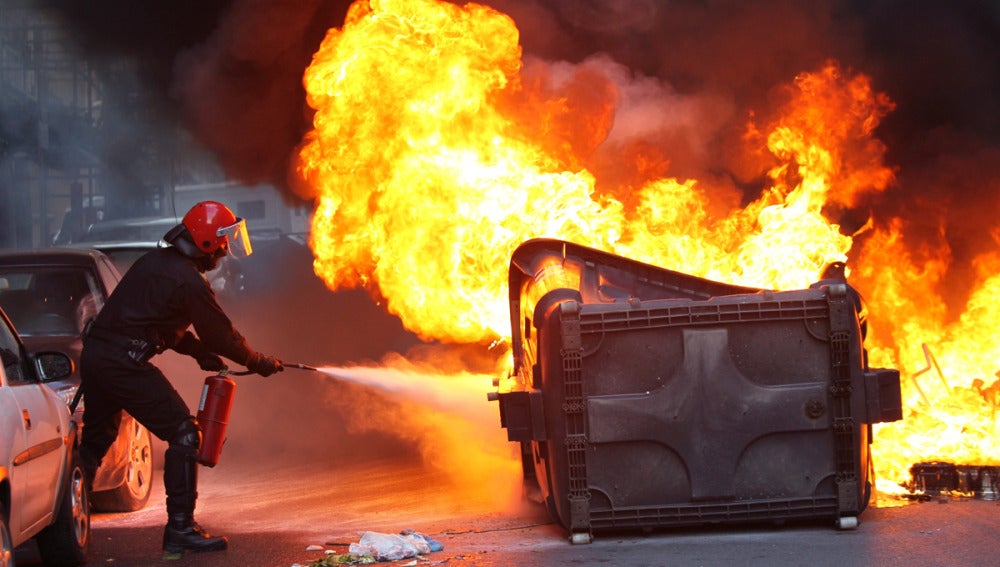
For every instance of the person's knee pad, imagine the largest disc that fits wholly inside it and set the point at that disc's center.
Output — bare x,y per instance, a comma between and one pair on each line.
186,438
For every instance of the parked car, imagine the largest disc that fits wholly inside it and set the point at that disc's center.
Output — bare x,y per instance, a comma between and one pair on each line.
42,490
122,253
142,229
50,295
125,240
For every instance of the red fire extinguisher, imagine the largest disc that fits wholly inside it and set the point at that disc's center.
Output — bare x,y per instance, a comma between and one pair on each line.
213,416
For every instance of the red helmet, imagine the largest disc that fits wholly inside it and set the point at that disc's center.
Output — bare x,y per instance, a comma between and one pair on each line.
213,226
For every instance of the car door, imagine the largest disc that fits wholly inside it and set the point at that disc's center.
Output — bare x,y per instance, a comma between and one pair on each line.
40,447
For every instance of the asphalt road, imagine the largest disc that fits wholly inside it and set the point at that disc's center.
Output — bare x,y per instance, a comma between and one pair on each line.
273,514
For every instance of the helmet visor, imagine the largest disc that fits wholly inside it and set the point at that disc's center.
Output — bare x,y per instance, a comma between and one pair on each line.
238,237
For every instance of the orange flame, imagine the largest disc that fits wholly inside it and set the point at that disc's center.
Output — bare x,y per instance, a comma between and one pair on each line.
436,151
949,386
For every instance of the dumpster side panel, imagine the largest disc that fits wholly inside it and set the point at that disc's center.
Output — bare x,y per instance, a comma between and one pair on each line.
676,403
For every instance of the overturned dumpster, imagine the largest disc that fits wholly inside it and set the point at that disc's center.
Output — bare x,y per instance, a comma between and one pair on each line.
644,398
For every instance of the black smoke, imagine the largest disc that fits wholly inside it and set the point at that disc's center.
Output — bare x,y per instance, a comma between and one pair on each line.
228,71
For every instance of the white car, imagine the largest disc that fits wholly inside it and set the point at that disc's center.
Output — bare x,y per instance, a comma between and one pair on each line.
42,490
49,295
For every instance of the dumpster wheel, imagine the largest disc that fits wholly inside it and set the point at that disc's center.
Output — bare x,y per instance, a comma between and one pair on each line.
847,522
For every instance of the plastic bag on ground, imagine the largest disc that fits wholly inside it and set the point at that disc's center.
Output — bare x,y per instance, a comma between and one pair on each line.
434,544
389,547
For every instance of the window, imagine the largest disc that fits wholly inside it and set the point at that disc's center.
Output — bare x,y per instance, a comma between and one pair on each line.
10,355
49,300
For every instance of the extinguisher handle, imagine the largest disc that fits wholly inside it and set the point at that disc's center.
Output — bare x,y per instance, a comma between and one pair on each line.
228,372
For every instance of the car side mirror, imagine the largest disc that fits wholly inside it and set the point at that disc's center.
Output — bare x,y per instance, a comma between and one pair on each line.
53,365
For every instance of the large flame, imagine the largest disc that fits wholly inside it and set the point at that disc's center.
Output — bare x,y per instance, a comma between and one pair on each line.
436,151
949,367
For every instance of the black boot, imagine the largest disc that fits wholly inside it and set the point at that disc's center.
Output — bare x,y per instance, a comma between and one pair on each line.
180,480
183,533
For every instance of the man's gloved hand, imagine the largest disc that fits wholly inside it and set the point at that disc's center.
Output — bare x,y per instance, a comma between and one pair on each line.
263,364
211,362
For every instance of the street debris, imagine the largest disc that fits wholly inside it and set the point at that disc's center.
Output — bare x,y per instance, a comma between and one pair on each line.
340,559
393,547
374,547
432,543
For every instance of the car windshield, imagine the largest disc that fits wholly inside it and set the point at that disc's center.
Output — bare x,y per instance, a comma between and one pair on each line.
135,230
123,258
44,300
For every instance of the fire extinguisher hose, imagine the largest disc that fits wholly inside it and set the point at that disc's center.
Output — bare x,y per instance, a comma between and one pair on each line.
298,365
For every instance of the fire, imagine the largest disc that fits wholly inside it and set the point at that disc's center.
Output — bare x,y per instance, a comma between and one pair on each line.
782,240
949,368
423,186
436,150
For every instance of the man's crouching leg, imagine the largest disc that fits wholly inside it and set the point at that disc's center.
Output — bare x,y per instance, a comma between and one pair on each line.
180,481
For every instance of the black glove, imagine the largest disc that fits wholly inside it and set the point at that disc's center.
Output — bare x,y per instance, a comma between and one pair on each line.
211,362
263,364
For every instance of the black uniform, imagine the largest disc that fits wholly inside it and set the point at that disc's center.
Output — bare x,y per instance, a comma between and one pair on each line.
161,296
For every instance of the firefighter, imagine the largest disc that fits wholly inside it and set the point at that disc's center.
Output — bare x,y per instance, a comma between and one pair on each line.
160,297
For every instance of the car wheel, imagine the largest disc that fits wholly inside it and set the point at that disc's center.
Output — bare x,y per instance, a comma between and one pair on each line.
133,493
67,540
6,540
